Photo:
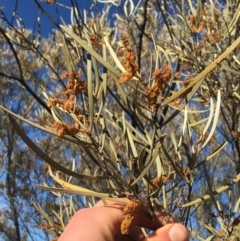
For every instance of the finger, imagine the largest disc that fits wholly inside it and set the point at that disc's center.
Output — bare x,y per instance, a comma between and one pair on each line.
170,232
94,224
142,219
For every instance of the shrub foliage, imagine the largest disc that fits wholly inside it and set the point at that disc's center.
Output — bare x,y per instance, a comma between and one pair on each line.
144,105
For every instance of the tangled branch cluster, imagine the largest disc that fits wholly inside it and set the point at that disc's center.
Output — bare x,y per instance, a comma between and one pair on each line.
130,212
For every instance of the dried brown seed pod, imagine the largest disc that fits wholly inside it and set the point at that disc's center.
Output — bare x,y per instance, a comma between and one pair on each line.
126,223
130,211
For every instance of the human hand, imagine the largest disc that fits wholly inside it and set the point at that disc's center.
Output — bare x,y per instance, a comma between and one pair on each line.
102,223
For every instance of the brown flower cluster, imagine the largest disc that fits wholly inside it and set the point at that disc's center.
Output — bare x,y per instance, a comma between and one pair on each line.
176,102
55,101
130,212
67,129
68,105
64,128
185,172
197,28
96,42
198,48
47,227
177,75
234,135
159,181
161,76
208,41
94,36
186,82
213,36
75,84
51,1
128,62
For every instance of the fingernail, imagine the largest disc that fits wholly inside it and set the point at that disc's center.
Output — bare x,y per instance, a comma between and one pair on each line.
178,233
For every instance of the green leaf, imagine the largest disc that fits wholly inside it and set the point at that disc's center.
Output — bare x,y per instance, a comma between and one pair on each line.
94,65
67,56
215,120
102,91
113,55
81,192
191,159
215,152
145,169
91,51
198,122
90,91
133,148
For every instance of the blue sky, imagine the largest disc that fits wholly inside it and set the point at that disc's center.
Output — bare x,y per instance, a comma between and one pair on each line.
28,11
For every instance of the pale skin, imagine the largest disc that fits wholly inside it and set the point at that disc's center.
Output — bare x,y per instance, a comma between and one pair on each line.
102,223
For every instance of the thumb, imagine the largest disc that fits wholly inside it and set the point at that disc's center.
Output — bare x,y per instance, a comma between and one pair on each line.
169,232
